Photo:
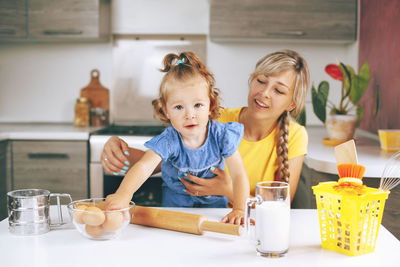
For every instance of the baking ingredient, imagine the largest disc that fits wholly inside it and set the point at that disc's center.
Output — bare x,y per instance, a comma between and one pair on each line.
78,215
93,216
101,205
94,230
272,226
114,221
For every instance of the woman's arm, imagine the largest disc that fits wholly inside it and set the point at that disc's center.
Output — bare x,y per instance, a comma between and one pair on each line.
220,185
136,176
295,166
116,155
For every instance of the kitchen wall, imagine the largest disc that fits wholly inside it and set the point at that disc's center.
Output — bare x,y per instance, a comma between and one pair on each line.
40,82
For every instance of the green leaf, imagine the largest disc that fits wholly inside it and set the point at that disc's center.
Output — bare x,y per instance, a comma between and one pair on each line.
360,114
301,119
348,74
359,84
319,99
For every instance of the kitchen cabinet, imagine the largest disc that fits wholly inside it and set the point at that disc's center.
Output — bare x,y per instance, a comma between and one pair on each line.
13,19
160,17
56,20
5,181
284,19
58,166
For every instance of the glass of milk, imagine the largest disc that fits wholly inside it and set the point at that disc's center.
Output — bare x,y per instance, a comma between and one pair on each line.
272,218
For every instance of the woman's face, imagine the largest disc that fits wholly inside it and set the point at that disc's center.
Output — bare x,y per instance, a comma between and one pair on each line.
270,96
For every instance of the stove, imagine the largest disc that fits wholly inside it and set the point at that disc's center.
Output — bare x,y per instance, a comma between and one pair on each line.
135,136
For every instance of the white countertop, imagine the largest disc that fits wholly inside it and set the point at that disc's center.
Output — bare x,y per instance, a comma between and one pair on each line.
322,158
44,131
146,246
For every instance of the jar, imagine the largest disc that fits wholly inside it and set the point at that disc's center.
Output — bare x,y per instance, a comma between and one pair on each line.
82,112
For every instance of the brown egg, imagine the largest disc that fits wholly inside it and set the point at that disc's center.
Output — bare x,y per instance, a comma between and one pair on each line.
101,205
78,215
94,230
93,216
89,204
114,221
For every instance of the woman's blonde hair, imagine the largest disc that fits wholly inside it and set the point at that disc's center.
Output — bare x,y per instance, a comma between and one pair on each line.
182,67
276,63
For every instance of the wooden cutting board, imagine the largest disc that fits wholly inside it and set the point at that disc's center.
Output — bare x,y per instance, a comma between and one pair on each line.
99,95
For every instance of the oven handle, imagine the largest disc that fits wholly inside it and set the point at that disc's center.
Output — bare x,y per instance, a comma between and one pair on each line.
48,156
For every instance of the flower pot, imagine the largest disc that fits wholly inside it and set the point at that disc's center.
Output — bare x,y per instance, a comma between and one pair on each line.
341,127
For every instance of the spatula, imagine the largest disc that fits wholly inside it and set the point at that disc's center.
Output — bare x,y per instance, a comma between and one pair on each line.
346,153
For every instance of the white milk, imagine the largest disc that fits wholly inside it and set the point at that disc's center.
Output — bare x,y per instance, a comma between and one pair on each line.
272,226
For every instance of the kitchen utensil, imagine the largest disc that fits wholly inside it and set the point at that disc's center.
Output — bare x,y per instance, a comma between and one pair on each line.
346,153
351,170
180,221
349,222
272,202
28,211
93,222
391,173
98,95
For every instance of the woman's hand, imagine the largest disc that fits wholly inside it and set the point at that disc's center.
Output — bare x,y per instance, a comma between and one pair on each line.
234,217
220,185
114,157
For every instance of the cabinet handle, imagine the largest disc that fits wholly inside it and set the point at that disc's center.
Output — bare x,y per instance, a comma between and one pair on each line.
62,32
8,31
47,156
288,33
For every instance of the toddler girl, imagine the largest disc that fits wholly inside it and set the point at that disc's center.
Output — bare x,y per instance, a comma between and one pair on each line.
194,143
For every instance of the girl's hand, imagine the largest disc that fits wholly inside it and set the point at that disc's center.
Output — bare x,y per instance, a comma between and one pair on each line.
234,217
116,202
220,185
113,157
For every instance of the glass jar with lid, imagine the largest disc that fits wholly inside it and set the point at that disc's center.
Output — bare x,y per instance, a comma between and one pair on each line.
82,112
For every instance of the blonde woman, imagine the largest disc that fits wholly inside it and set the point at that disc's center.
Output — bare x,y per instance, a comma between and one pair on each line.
273,146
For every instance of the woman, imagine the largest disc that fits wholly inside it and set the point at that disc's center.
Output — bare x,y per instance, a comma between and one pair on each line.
273,146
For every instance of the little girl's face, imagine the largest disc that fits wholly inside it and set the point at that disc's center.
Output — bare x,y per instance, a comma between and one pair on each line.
270,96
188,107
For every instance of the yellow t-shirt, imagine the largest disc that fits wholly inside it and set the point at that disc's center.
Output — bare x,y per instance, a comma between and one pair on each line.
260,157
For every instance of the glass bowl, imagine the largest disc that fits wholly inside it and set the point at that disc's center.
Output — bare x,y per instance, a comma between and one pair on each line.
93,222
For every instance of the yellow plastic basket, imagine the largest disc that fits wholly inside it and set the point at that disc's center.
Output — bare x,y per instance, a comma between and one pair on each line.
349,224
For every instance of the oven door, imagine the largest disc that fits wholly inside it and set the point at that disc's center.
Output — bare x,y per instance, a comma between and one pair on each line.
149,194
103,184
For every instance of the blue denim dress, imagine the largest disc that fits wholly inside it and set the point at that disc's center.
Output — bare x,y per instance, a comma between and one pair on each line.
222,141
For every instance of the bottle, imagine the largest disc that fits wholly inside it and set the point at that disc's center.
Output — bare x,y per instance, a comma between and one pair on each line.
82,112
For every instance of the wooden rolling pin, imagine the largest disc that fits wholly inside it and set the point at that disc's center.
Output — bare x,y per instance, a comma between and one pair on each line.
181,221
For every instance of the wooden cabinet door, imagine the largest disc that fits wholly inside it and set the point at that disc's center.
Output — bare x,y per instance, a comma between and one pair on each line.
66,19
13,21
58,166
283,19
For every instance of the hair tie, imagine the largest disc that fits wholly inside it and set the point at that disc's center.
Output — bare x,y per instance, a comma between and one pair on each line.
180,61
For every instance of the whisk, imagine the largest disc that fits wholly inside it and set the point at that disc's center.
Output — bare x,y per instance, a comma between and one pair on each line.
391,174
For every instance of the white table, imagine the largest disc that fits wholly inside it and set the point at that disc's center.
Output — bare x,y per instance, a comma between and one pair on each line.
146,246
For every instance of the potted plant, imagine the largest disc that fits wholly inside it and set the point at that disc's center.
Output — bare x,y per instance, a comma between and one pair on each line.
344,117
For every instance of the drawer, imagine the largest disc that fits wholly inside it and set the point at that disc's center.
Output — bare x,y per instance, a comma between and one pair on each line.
58,166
